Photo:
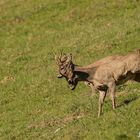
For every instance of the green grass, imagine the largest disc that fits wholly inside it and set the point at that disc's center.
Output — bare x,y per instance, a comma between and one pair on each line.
34,104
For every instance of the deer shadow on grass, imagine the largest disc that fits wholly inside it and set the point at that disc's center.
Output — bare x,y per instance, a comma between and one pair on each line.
127,101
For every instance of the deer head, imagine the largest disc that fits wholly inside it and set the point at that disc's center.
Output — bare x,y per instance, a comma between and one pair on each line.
66,69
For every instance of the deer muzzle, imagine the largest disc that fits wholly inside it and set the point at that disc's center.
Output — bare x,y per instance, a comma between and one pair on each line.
71,84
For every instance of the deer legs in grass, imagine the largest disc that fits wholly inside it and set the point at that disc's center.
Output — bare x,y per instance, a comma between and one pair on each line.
93,92
111,90
102,95
103,74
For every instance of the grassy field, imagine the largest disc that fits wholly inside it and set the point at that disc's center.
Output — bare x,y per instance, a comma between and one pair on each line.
34,104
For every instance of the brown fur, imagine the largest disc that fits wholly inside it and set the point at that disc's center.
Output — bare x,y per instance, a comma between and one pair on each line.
104,74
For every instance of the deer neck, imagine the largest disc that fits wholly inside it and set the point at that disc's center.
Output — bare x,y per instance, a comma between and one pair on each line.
84,74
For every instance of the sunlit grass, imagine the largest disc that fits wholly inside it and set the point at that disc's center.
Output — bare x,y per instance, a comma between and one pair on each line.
34,104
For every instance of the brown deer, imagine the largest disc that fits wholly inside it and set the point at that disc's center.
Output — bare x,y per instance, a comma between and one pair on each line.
104,74
95,64
86,83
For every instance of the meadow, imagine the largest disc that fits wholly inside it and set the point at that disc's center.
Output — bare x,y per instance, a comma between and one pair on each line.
34,103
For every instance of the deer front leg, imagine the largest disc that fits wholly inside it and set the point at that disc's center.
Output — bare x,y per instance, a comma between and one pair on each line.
92,88
102,95
111,90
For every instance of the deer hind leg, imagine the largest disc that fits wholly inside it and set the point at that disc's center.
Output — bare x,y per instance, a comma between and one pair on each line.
102,95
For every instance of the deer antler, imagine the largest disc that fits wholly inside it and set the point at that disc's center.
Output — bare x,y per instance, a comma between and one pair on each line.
69,58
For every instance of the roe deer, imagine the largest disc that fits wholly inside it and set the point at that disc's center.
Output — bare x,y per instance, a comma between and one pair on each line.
104,74
62,59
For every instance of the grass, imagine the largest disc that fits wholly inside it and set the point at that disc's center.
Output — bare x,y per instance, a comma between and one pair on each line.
34,104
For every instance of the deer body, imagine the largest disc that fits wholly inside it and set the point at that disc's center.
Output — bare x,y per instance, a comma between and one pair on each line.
105,74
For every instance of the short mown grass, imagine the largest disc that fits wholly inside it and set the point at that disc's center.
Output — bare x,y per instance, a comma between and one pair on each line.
34,104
